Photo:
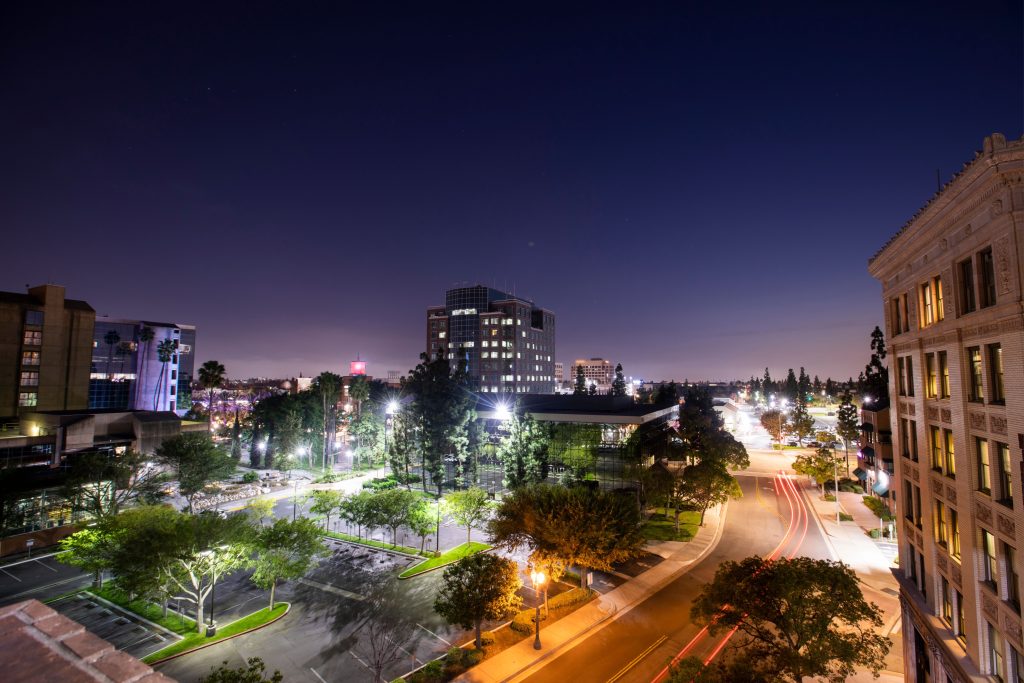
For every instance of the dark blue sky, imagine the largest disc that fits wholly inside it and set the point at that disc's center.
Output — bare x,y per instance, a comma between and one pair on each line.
695,193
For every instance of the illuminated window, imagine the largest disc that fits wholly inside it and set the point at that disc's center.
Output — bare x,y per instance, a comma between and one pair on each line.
984,472
995,652
954,533
995,372
29,379
936,438
961,617
943,375
927,307
939,522
931,384
442,335
947,603
950,457
1005,474
33,338
28,398
990,564
977,392
30,358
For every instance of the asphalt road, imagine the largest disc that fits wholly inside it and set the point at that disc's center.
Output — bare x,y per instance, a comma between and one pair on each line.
764,521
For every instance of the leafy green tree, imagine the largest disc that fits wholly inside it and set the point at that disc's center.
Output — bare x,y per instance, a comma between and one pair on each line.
801,421
469,508
259,509
580,526
101,484
874,381
819,466
358,509
579,387
285,550
254,672
422,521
666,393
703,435
368,430
403,447
707,483
211,378
325,504
575,447
476,588
392,509
195,461
847,424
619,383
91,549
776,424
523,450
802,617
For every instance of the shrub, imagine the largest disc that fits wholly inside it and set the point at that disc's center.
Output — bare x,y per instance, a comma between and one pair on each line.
455,655
250,478
326,478
473,657
433,672
878,507
843,517
523,621
487,638
381,483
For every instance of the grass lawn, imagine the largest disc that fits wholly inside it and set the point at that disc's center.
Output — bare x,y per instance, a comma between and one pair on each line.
172,622
661,526
194,640
447,557
373,544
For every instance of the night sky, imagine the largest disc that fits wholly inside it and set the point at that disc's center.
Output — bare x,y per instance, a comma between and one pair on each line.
695,193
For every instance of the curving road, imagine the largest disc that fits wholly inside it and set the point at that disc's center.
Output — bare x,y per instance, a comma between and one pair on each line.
772,519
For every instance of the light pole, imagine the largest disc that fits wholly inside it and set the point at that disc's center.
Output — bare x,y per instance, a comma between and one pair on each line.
390,411
538,583
835,475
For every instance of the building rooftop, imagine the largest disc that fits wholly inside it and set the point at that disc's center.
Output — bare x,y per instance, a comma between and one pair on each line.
29,300
38,644
605,408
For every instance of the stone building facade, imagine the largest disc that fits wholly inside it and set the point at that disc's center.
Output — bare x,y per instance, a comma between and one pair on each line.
952,289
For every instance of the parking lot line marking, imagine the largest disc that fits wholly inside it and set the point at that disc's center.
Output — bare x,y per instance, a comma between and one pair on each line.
10,574
317,675
435,635
333,589
48,567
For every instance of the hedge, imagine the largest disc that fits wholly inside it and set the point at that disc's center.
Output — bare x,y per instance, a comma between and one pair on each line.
523,622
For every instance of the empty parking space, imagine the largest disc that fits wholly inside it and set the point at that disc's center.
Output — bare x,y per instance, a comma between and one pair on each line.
121,629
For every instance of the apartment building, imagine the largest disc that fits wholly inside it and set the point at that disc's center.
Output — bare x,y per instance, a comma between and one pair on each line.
507,342
597,371
952,289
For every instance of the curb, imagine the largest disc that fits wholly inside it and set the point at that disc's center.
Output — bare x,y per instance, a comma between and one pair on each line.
373,547
571,642
151,624
440,566
280,616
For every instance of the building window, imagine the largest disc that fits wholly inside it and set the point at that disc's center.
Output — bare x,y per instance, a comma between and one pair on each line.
908,495
987,273
939,522
946,610
977,391
897,315
984,472
995,652
1017,675
995,373
28,398
30,358
1005,474
34,318
931,378
936,438
954,533
905,437
1012,580
33,338
961,617
990,564
910,376
950,454
29,378
967,303
943,375
927,305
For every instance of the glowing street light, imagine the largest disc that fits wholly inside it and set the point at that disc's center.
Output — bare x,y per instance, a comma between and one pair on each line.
392,407
538,579
502,412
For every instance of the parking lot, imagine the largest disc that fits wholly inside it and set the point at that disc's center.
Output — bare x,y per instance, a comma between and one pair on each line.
118,627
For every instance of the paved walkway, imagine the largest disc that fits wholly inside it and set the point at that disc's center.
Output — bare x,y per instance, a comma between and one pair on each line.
521,660
872,560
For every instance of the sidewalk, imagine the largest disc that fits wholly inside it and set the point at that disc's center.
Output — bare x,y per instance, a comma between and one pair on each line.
521,659
850,543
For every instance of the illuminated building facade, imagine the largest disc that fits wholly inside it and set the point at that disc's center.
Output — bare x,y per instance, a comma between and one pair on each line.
597,371
952,291
45,342
507,342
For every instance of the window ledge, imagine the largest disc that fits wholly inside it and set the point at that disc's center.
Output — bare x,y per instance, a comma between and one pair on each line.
1006,502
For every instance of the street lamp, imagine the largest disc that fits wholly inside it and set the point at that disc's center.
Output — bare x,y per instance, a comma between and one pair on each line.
538,579
391,409
501,411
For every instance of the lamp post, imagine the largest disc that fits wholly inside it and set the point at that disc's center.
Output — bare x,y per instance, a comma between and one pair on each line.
390,411
538,579
835,475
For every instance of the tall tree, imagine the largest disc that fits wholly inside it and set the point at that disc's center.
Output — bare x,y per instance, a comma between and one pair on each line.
164,352
285,550
579,387
111,338
619,383
211,378
801,421
875,378
476,588
403,447
802,618
469,508
803,384
767,385
848,425
792,386
523,449
328,385
195,461
236,439
820,465
325,504
708,483
776,424
146,335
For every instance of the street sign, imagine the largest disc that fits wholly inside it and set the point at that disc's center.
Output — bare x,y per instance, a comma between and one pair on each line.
30,542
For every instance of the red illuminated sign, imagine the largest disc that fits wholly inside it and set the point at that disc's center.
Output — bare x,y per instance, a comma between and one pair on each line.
357,367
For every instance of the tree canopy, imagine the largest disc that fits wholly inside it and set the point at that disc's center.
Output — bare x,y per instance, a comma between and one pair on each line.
800,617
195,461
478,587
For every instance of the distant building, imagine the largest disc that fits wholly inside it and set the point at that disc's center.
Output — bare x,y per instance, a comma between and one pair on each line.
128,373
597,371
952,293
45,343
559,373
507,341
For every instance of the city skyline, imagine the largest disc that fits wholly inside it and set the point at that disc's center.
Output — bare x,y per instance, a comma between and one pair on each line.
671,185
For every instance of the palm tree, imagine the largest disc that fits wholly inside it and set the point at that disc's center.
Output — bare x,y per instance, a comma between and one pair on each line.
329,385
164,351
111,338
211,378
145,336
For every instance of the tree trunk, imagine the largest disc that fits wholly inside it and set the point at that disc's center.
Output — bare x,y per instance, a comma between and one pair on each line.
479,640
273,585
199,616
469,530
702,511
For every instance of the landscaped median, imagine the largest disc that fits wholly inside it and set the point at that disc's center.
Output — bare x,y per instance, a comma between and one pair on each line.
447,557
186,627
370,543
